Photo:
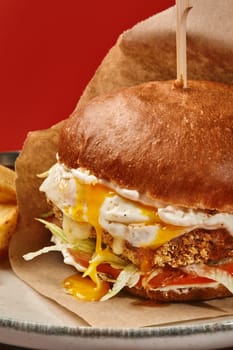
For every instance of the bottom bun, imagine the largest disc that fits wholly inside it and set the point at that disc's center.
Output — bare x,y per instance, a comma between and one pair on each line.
181,294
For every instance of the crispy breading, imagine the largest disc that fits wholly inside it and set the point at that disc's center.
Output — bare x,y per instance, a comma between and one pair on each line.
198,246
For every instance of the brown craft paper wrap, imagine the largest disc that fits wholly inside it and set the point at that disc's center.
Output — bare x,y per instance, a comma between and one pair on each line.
145,52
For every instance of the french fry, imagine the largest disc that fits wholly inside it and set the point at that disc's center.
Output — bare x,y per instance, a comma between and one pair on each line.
8,221
7,185
8,208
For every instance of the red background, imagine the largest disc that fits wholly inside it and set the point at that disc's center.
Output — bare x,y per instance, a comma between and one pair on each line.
49,50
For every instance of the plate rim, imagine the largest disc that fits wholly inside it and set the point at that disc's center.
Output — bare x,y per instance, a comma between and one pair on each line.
123,333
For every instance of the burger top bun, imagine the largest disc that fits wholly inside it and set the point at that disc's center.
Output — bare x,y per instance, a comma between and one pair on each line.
173,145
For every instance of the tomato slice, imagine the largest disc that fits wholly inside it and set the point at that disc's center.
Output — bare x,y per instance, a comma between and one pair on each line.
227,267
167,277
190,279
83,259
109,270
171,277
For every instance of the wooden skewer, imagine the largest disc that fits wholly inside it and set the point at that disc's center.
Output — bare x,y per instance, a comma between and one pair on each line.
182,10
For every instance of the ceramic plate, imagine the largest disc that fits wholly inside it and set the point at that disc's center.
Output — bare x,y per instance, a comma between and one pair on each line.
30,320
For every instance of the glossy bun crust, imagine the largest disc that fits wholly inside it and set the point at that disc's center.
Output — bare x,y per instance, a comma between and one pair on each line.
173,145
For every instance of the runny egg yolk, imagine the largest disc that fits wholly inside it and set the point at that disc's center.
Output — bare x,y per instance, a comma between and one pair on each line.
166,232
83,288
90,198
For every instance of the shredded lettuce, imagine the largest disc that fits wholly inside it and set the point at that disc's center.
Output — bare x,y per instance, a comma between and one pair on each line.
107,256
55,230
82,245
43,175
215,273
128,277
32,255
47,214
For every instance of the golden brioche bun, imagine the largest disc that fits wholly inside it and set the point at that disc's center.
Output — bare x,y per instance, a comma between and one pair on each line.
171,144
181,294
174,145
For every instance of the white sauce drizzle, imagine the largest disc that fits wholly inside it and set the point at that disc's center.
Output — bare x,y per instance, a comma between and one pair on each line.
122,217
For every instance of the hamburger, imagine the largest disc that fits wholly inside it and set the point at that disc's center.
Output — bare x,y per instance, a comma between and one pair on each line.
141,194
